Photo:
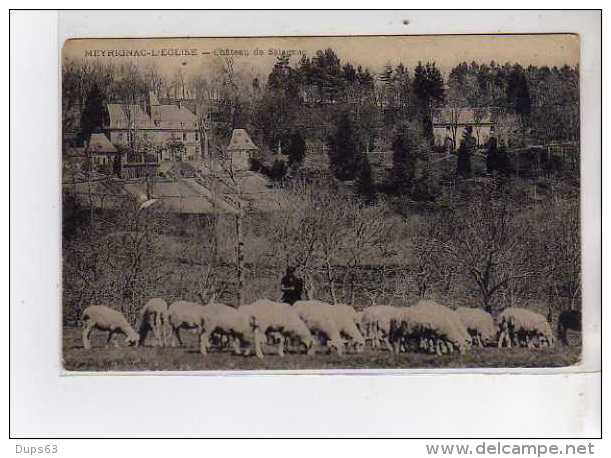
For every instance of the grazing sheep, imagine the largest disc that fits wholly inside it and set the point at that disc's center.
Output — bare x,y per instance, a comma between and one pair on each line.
237,325
479,324
347,321
154,317
280,321
568,319
320,320
376,324
106,319
189,315
438,328
523,327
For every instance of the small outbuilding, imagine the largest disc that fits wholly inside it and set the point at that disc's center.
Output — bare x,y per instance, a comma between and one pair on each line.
101,152
241,149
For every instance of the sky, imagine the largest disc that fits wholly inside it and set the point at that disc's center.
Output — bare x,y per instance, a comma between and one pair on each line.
202,55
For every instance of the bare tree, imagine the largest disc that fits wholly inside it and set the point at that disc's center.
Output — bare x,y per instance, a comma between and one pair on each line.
454,108
367,231
487,244
237,201
559,251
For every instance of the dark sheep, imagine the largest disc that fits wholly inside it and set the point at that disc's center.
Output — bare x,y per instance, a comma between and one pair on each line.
568,319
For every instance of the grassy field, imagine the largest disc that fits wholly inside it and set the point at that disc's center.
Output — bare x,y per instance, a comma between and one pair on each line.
76,358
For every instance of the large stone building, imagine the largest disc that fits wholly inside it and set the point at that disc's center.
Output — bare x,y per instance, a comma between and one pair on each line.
168,131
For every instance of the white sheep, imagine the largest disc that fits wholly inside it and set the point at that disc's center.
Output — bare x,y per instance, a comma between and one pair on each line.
154,317
347,320
237,325
190,315
376,323
438,328
104,318
479,324
321,320
523,327
279,320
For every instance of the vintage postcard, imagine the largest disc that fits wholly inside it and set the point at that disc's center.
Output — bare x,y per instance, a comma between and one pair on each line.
303,203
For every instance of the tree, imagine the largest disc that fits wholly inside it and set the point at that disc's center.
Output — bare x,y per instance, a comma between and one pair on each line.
403,162
428,88
468,88
456,103
554,102
387,95
491,155
518,96
466,149
426,187
485,242
325,72
296,149
507,126
279,108
93,116
428,84
560,252
365,185
403,92
496,157
278,170
344,149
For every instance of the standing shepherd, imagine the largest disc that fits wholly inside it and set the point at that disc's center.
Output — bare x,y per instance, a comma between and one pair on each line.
291,286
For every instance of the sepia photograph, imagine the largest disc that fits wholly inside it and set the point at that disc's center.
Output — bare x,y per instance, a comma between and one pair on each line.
306,203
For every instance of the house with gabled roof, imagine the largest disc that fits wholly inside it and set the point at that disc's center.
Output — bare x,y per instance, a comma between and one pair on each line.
102,153
170,130
449,125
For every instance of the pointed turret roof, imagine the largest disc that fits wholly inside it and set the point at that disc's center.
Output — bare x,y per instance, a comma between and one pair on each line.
99,143
241,141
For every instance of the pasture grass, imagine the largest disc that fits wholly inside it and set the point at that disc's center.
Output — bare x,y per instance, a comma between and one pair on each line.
187,358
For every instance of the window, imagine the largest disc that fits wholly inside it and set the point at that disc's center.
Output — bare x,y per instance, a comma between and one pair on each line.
196,136
184,135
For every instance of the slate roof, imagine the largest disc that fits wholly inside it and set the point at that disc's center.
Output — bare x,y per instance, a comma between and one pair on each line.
241,141
99,143
163,117
121,114
173,117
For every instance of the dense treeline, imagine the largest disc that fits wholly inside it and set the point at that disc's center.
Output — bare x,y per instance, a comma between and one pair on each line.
313,93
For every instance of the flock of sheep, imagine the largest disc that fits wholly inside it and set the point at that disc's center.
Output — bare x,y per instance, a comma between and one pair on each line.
310,325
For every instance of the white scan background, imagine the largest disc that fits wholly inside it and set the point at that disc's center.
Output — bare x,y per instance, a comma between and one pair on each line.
46,403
